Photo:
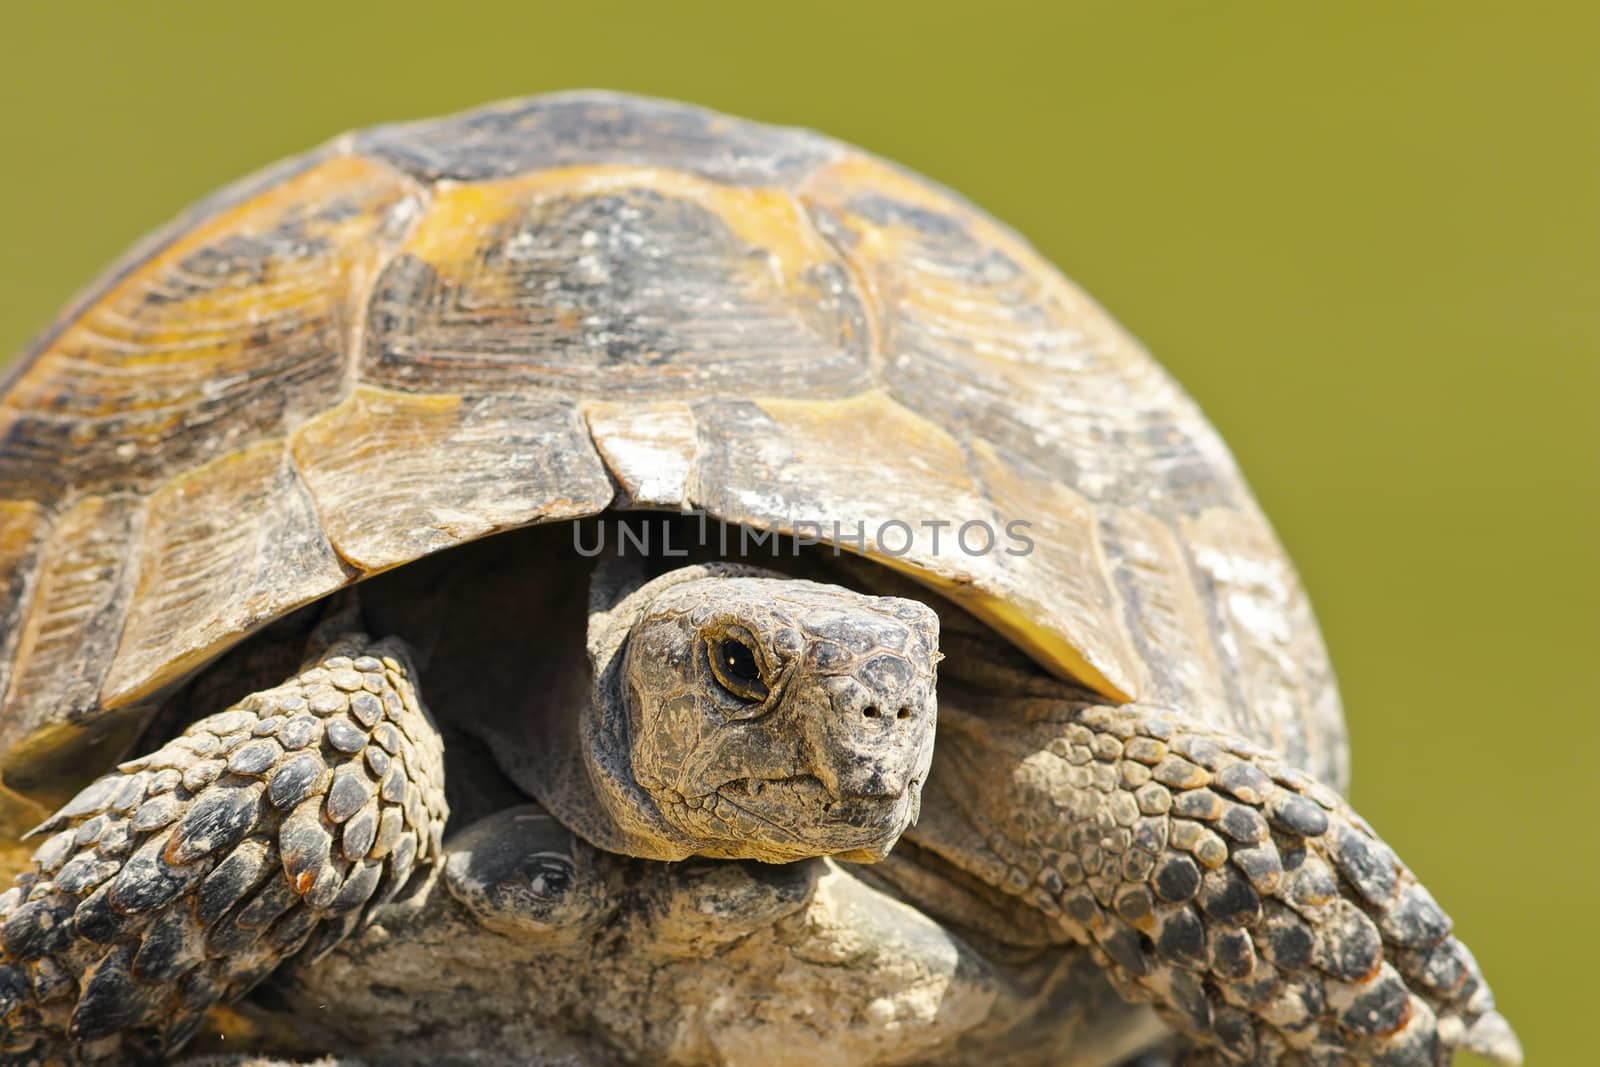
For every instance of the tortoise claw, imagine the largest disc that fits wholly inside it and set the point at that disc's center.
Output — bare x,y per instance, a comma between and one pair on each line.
1491,1037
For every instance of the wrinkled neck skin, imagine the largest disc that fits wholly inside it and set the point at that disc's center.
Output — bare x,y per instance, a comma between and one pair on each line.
827,758
607,731
597,795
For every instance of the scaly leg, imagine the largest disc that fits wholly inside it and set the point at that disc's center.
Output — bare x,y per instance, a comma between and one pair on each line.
1258,913
186,876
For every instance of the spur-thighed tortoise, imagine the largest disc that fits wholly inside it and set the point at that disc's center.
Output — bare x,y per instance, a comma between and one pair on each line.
421,335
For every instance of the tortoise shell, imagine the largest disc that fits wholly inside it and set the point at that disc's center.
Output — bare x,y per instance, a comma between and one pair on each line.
419,335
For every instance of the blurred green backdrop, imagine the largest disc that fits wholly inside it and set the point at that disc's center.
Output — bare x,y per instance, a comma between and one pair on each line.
1365,236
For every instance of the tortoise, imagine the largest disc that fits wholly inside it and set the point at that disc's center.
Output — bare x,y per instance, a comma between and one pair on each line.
588,304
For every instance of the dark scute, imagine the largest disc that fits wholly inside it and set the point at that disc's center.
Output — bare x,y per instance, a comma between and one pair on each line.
111,1000
1150,836
238,931
118,838
1414,920
1243,824
1368,865
1245,781
85,871
644,316
360,832
296,780
1311,994
1182,939
305,845
1134,904
1201,750
1310,882
38,928
1079,905
367,709
199,990
1258,991
1382,1009
1197,804
129,793
50,855
172,945
227,937
255,757
358,887
289,932
269,726
1288,943
300,731
239,873
1227,897
15,989
1124,946
1189,997
157,812
149,881
405,855
393,788
1441,969
1297,815
343,736
1348,945
217,821
92,798
1232,954
97,921
349,793
576,128
52,981
89,830
1235,1034
388,889
1419,1047
1260,865
1177,879
275,898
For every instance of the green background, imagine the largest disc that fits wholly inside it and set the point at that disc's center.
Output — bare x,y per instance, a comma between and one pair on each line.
1366,237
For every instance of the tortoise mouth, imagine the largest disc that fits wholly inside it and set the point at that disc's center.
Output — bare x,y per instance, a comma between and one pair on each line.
798,787
881,813
795,801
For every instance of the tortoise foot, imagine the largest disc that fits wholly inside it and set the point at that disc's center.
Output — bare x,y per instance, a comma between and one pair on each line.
1260,914
183,878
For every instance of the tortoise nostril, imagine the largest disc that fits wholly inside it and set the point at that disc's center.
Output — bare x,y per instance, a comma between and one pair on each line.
903,713
871,711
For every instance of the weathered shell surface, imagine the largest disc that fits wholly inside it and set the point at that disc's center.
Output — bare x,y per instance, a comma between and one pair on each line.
422,334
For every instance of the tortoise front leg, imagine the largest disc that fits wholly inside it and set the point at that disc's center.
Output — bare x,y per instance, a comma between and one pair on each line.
1262,916
182,879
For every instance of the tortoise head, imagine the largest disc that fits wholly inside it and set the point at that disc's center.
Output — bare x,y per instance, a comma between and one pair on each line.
744,715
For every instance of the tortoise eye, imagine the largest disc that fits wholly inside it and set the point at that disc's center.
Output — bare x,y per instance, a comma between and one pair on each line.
737,668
